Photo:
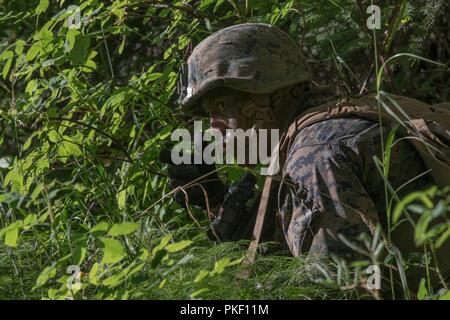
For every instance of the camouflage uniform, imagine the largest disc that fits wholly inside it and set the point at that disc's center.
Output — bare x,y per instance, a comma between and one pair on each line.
332,187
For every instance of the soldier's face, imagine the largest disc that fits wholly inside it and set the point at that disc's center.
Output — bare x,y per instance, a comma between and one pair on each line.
224,107
230,109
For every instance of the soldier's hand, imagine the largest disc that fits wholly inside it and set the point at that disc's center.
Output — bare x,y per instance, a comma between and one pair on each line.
183,175
234,221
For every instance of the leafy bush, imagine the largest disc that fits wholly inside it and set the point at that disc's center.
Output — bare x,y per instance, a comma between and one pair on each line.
87,104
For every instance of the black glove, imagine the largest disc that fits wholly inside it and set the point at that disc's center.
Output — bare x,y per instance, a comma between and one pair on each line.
183,174
233,220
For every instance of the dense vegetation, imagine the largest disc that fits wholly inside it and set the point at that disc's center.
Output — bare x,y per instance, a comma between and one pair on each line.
85,207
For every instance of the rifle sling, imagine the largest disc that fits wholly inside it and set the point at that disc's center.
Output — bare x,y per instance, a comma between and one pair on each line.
262,212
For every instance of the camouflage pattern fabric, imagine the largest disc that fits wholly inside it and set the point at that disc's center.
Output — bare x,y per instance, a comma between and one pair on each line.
249,57
332,188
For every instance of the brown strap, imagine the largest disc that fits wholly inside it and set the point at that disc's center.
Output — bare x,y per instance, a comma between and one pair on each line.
262,213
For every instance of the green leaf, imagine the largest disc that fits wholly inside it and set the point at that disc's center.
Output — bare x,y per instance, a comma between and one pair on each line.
157,258
443,237
27,143
30,220
46,274
99,229
154,76
113,250
67,148
121,229
16,180
11,237
78,255
121,198
422,294
420,231
71,39
162,283
122,45
31,86
165,133
6,68
6,55
201,275
42,164
174,247
37,191
204,4
42,6
80,50
401,205
113,281
219,266
54,136
387,152
198,292
164,241
445,296
218,4
33,51
93,274
19,47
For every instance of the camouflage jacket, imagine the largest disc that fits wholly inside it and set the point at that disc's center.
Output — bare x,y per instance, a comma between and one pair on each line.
332,187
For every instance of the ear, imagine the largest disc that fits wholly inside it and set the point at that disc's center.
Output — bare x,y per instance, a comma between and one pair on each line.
277,97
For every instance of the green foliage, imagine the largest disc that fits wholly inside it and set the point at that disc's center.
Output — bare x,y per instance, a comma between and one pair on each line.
433,207
86,105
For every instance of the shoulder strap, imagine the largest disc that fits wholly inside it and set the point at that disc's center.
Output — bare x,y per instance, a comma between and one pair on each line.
428,126
262,213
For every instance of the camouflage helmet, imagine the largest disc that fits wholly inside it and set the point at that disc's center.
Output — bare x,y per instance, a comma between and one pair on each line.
251,57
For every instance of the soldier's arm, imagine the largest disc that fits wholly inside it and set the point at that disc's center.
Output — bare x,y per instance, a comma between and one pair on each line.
234,219
324,200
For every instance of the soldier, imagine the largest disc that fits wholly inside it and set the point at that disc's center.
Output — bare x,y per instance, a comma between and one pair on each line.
254,76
